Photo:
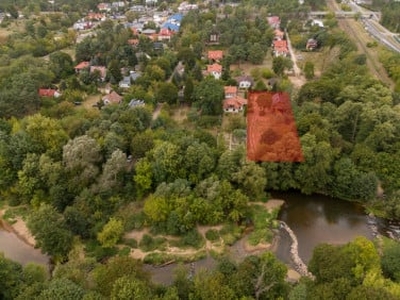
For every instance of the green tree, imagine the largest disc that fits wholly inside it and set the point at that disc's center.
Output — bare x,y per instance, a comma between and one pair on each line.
114,71
143,178
111,233
105,276
166,92
61,64
280,64
127,287
50,231
389,261
10,278
80,157
208,96
256,54
309,70
62,289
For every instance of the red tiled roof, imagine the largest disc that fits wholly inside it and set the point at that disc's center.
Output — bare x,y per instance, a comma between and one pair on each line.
47,92
280,44
112,97
214,68
82,65
236,102
230,89
215,54
166,32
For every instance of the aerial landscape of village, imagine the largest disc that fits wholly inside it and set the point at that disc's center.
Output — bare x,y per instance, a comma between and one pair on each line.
200,150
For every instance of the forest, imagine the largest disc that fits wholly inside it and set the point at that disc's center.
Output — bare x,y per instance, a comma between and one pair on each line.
83,176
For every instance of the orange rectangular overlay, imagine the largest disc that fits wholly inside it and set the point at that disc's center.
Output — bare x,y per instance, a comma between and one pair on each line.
271,128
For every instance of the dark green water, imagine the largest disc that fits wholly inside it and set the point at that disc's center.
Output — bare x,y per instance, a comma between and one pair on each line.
318,219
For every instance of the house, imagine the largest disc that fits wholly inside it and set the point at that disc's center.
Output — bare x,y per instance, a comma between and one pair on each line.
49,93
101,69
215,55
214,70
311,45
280,48
138,8
136,103
318,23
274,22
173,23
185,6
133,42
118,4
165,34
106,7
95,16
112,98
234,105
127,81
213,38
82,25
244,82
230,91
81,66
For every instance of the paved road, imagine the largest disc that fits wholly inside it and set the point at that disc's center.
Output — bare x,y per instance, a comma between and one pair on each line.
379,32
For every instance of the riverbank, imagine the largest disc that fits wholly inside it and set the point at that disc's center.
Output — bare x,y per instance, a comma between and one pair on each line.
18,227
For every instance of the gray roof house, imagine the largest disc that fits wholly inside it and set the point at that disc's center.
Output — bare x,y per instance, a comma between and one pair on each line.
127,81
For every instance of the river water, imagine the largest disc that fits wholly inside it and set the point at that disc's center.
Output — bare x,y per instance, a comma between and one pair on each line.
319,219
15,249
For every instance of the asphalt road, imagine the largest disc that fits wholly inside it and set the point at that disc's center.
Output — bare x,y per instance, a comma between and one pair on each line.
379,32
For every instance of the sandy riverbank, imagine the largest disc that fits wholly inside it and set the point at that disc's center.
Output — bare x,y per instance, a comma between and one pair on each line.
19,228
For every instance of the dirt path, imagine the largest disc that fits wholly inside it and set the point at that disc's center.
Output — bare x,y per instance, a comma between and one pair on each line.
157,111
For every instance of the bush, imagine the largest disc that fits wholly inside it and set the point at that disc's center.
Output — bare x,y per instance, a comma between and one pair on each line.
230,233
131,243
148,243
135,221
212,235
209,121
158,258
193,239
125,251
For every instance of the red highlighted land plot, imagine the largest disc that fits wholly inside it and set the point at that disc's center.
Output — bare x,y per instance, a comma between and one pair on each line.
271,128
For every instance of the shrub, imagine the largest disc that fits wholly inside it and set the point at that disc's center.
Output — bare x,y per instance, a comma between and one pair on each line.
156,258
131,243
148,243
125,251
193,239
212,235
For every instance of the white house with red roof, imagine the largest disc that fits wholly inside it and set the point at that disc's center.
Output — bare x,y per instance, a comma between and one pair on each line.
280,48
230,91
165,34
214,70
234,105
49,93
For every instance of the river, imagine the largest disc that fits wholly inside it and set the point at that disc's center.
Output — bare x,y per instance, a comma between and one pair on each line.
317,219
16,249
313,219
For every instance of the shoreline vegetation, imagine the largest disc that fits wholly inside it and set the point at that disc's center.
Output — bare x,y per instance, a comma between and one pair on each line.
239,250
